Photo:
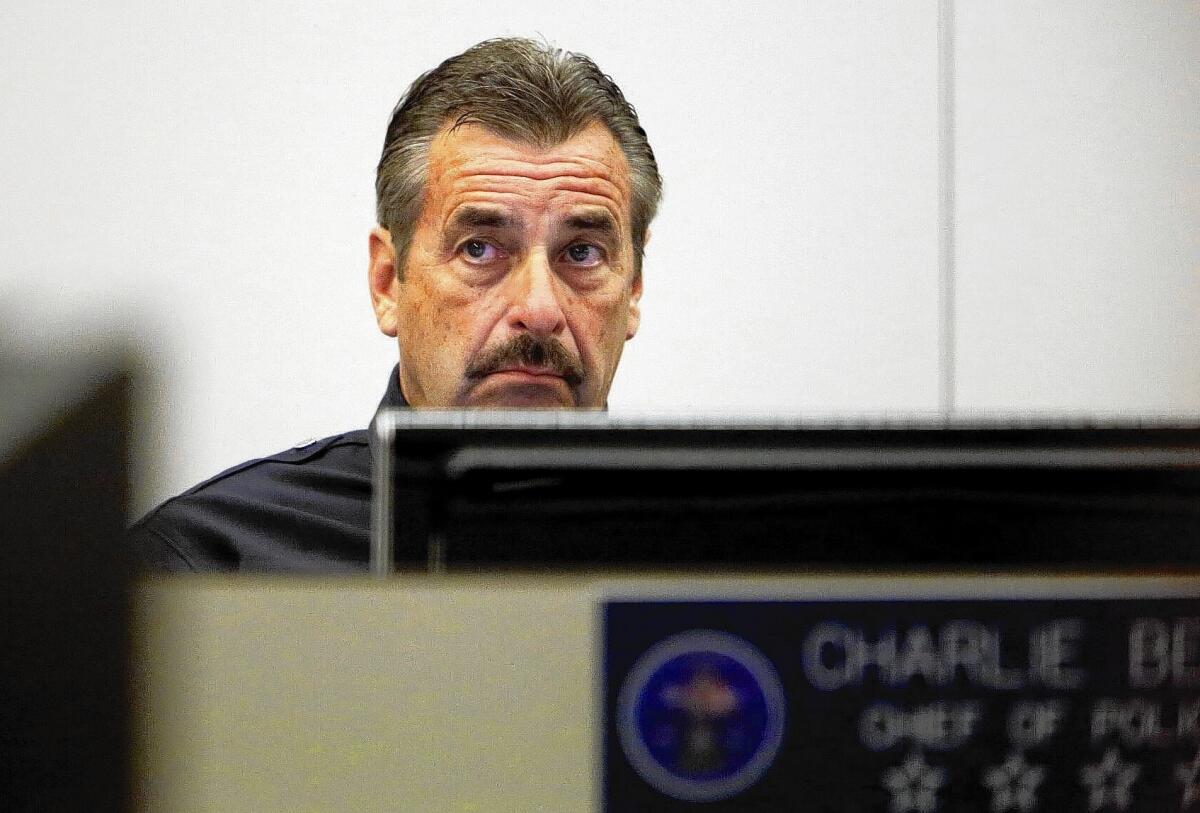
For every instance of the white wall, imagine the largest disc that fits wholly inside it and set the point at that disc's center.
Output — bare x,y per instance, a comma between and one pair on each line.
200,180
1079,206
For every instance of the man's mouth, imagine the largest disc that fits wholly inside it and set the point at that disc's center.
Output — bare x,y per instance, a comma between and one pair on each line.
529,371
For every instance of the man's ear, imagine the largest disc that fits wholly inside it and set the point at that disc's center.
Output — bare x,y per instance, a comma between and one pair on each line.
381,277
635,308
635,297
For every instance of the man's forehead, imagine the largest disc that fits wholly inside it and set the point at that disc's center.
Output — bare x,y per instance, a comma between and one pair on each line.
589,162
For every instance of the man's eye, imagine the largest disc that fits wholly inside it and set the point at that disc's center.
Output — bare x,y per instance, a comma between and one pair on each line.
479,250
584,254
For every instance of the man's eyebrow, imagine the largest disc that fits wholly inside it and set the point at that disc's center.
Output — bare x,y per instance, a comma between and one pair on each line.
480,217
599,221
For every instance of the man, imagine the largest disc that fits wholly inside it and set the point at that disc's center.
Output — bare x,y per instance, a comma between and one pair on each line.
514,197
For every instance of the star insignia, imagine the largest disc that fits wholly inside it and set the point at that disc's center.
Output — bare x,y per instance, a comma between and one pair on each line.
1189,775
1014,784
914,785
1109,781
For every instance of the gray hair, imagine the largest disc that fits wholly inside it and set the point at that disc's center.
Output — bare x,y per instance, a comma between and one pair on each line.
518,89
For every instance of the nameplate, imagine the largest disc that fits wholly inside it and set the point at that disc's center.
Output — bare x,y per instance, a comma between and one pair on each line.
906,706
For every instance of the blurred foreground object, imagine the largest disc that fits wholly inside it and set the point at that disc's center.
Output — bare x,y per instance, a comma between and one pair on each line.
64,434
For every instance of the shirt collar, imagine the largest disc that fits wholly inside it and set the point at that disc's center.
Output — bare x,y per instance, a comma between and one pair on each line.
392,397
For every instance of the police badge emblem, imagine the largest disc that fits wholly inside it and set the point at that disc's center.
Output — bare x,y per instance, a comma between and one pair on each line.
701,715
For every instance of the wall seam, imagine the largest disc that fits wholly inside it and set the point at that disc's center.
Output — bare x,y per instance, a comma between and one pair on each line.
947,332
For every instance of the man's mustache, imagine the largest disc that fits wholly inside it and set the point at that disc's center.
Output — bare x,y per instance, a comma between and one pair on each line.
527,350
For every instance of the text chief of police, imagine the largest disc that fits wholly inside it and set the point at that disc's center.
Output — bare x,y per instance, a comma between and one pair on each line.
514,197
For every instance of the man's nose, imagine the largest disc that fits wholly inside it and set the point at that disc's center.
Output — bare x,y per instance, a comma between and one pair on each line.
536,304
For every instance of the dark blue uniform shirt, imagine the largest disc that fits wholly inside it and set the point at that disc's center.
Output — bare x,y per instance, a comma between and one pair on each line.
304,510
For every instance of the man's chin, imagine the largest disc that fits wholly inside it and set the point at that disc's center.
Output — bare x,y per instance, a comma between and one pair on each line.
518,390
